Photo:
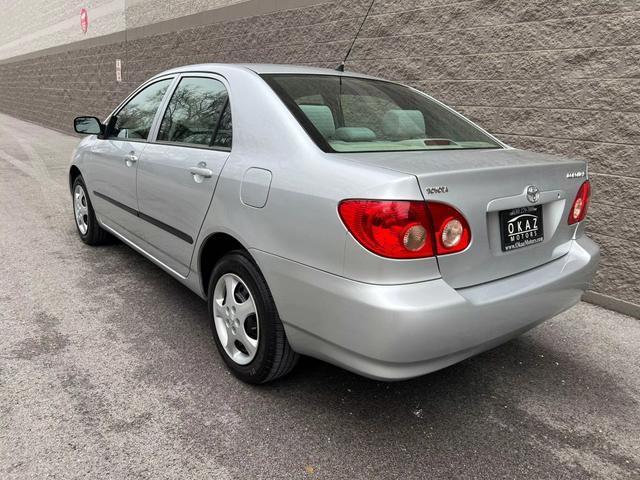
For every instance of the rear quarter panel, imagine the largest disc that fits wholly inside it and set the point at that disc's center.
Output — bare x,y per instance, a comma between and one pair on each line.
300,221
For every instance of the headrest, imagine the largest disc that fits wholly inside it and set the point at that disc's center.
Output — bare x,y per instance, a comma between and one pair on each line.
403,124
321,117
354,134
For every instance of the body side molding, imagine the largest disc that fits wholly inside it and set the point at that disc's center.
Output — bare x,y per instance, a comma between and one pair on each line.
167,228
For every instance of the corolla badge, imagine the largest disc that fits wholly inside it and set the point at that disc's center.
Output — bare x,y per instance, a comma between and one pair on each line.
439,189
533,193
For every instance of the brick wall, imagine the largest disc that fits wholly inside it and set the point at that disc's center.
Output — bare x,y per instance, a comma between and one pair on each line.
547,75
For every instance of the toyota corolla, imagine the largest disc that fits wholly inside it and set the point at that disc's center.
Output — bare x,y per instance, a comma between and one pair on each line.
336,215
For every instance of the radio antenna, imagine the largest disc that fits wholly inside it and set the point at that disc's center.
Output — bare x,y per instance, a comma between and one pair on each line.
340,67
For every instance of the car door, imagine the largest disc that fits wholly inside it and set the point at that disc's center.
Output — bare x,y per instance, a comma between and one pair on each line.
178,172
114,159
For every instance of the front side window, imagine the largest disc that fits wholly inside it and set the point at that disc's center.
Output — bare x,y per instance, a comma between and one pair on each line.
134,120
193,113
346,114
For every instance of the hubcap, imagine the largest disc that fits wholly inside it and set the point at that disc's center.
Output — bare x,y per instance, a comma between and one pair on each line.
81,209
236,318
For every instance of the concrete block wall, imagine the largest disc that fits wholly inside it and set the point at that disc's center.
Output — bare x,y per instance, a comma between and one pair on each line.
554,76
558,76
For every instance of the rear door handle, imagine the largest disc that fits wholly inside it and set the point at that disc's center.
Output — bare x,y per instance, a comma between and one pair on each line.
130,159
201,171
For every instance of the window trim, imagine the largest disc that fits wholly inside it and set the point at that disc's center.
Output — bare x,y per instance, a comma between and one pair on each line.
130,97
153,134
324,145
215,131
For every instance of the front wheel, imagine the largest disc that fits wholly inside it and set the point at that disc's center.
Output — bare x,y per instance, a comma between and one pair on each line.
246,327
87,225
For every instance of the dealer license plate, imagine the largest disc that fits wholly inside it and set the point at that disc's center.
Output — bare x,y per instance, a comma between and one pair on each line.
521,227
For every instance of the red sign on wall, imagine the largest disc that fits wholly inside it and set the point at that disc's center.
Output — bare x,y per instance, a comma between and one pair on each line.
84,20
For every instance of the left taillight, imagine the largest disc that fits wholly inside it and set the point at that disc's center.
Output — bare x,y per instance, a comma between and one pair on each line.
389,228
580,205
404,229
451,230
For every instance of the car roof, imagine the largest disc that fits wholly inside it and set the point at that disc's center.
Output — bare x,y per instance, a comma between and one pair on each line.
262,68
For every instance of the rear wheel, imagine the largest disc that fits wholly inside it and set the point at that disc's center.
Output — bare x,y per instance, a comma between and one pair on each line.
87,225
245,323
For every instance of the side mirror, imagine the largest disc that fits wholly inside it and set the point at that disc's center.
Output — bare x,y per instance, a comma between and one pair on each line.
88,126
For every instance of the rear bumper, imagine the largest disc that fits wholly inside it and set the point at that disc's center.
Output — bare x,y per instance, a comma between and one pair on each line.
393,332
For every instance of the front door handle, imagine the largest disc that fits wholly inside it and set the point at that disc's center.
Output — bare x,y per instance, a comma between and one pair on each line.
200,172
130,159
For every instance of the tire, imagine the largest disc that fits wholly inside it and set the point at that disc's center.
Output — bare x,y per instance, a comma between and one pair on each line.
272,356
89,230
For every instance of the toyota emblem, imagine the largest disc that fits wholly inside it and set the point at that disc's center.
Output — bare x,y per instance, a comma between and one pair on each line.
533,193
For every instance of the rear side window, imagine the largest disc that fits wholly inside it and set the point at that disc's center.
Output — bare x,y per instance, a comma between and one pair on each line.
193,113
134,120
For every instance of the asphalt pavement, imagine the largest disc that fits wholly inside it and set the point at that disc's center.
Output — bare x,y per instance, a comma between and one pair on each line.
108,370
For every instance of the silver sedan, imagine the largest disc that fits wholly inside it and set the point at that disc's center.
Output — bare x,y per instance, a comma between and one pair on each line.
334,215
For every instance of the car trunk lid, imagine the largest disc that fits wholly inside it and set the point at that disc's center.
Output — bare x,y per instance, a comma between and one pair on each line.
483,183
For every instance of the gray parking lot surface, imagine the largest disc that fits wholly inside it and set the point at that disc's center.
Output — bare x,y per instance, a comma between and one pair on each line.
108,370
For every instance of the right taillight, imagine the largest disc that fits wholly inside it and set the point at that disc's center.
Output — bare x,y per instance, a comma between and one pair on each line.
580,205
405,229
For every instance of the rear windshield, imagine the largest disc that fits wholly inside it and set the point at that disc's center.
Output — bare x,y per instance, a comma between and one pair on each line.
345,114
